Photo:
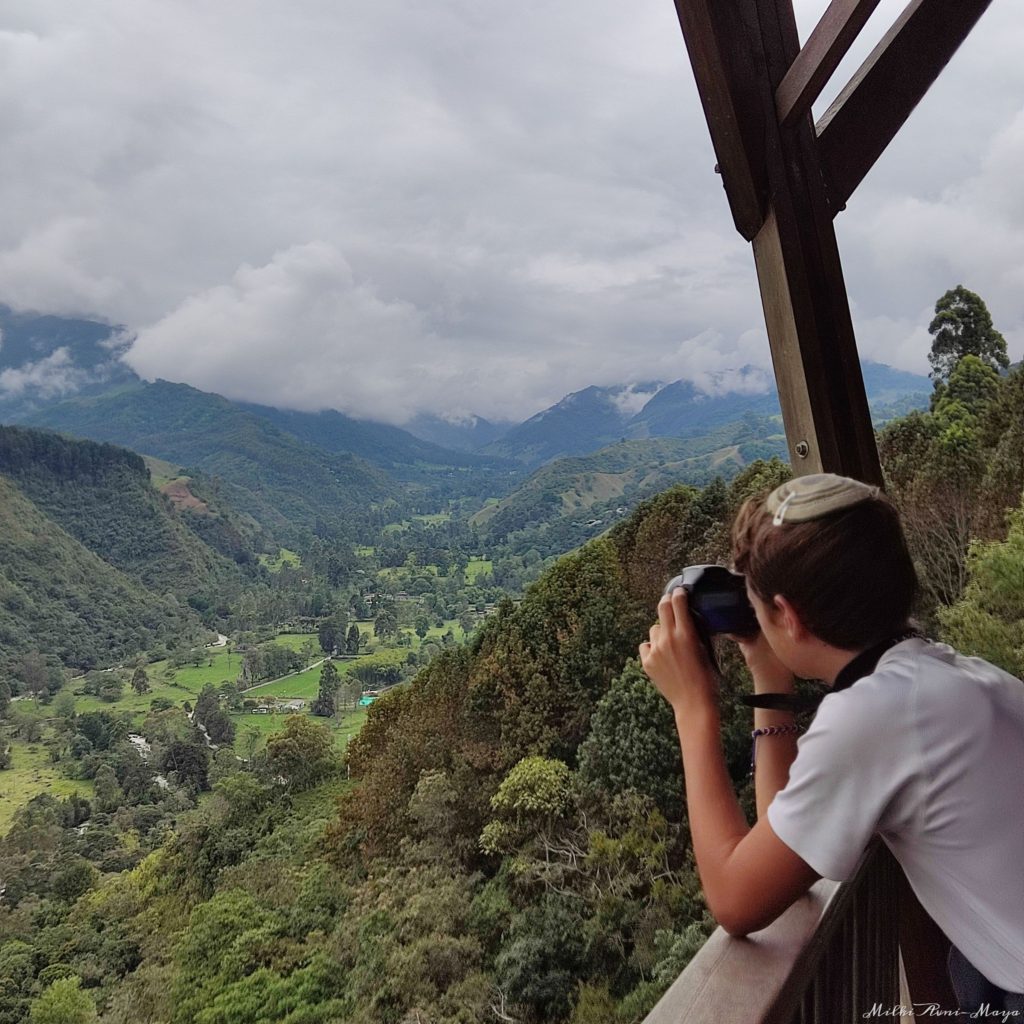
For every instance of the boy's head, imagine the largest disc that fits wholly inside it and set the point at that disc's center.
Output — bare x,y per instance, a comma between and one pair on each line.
835,550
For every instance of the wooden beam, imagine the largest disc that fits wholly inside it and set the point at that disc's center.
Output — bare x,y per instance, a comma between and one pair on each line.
879,98
817,61
719,43
800,273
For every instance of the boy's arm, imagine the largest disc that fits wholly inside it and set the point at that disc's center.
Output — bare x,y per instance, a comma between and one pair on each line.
774,753
749,875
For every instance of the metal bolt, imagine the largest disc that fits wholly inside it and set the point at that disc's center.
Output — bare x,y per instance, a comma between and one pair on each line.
803,449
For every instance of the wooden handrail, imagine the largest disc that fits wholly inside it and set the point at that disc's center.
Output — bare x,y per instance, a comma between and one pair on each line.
828,960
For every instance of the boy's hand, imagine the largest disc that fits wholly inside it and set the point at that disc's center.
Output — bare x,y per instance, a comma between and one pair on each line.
675,659
770,675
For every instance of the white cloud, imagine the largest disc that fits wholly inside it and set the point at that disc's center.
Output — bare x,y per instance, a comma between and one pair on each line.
47,378
452,208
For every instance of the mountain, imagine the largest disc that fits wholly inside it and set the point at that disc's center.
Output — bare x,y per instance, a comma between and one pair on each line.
389,447
46,358
579,423
61,599
103,497
682,410
572,499
465,435
595,417
279,480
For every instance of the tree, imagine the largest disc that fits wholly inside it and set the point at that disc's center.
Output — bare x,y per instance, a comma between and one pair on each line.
207,703
63,1002
326,702
74,879
190,763
140,681
302,753
386,623
632,744
109,795
219,727
112,688
988,620
33,674
354,639
64,706
250,741
5,697
324,705
5,751
963,326
331,633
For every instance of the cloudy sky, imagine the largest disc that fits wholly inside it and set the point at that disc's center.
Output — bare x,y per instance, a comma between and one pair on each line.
456,206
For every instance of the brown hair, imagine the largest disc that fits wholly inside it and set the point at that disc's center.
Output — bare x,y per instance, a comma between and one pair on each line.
849,574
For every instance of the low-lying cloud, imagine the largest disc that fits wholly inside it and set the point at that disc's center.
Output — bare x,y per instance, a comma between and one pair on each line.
391,209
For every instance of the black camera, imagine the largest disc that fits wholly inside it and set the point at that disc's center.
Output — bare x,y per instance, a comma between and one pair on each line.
717,599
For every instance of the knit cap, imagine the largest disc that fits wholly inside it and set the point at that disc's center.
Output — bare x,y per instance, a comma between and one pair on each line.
810,497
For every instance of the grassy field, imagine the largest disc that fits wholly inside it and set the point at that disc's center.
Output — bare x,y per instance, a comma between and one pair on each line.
478,567
182,684
435,519
30,774
296,641
284,557
267,725
306,685
161,472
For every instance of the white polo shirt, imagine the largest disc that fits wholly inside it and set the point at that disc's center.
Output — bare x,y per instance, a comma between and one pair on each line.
928,752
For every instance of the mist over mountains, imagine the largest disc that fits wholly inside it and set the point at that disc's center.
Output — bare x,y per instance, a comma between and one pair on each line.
68,374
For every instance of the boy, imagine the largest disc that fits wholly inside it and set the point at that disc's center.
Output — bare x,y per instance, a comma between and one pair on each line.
914,742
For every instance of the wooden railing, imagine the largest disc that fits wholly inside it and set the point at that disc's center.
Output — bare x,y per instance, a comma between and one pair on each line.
832,958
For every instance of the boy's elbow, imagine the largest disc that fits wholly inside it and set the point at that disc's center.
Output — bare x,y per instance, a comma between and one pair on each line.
739,922
735,926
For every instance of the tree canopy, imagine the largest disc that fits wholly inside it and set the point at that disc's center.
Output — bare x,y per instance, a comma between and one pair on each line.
962,326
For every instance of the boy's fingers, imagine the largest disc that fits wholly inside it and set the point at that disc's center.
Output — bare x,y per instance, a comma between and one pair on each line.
680,612
666,612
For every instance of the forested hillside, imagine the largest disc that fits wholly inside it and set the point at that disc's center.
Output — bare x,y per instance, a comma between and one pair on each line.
511,838
288,485
572,499
60,598
500,840
103,497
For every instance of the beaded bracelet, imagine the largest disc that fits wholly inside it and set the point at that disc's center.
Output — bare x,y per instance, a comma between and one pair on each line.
771,730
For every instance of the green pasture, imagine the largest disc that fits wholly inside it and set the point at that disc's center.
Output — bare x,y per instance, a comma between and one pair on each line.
30,774
434,519
407,573
306,685
436,632
296,641
343,730
478,567
280,560
162,472
364,550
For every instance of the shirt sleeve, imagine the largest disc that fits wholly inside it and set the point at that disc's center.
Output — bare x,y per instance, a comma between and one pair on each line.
847,772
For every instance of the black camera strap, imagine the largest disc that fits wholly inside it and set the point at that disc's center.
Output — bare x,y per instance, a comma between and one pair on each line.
860,666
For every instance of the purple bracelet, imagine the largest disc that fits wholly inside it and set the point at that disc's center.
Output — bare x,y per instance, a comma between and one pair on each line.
771,730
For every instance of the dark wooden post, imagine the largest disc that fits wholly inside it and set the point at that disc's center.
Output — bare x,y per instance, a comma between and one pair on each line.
814,349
